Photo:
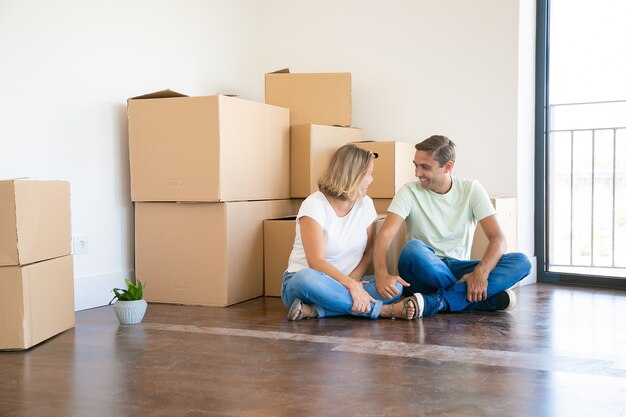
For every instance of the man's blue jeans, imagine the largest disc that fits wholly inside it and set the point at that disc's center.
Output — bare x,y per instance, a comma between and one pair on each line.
328,296
419,266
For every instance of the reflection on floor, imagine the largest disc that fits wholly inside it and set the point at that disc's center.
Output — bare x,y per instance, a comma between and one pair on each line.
562,352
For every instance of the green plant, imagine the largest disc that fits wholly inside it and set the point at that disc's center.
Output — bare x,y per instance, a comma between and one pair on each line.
131,293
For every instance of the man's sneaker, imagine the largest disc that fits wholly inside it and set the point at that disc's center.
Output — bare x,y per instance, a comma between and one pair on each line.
506,300
429,305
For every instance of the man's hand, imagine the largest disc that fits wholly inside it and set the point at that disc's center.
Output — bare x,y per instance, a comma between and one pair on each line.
476,285
385,285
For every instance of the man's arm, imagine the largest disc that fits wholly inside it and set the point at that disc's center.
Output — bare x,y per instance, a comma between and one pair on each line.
477,279
384,281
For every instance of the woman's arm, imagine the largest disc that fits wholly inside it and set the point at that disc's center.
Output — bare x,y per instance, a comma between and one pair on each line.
312,237
366,260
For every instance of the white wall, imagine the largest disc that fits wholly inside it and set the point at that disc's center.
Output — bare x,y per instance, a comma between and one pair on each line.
67,69
419,67
460,68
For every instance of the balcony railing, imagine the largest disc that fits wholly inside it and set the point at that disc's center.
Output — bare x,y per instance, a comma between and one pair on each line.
587,188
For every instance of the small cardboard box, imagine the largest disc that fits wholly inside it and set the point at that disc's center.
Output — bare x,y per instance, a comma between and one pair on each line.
395,247
36,302
202,253
392,169
35,221
322,98
312,147
213,148
507,218
278,238
382,204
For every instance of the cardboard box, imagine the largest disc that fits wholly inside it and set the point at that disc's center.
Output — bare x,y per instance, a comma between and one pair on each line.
202,253
312,147
382,204
395,247
507,218
213,148
35,221
323,98
392,169
278,238
36,302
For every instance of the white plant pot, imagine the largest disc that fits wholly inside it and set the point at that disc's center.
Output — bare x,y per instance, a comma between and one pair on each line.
130,312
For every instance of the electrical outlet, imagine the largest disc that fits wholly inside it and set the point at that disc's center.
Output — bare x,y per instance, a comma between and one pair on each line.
80,244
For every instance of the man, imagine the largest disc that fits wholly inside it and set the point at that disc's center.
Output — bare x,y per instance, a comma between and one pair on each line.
441,212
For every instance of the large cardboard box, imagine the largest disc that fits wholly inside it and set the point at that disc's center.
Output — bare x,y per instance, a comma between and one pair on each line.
213,148
36,302
278,238
507,218
312,147
202,253
322,98
35,221
392,169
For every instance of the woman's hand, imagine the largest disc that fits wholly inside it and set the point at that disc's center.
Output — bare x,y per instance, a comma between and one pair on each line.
360,298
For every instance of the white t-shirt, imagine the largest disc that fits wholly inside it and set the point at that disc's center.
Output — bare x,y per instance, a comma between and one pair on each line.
445,222
345,238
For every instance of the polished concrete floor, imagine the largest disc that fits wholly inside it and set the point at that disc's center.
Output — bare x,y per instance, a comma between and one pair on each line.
562,352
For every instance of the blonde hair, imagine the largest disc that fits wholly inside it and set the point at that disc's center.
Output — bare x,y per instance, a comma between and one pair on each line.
347,168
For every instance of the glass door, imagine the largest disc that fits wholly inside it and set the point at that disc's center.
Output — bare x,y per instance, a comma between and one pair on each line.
585,142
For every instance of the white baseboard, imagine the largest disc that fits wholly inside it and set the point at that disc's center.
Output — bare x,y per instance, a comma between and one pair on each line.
96,290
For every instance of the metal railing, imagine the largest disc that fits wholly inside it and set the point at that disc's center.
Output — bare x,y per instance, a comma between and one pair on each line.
587,188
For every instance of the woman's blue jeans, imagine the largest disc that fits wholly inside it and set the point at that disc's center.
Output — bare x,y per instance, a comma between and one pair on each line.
419,266
328,296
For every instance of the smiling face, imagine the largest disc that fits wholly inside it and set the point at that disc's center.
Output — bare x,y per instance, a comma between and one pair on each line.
431,174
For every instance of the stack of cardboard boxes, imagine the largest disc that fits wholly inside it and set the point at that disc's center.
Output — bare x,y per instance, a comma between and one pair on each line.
205,172
36,270
216,181
320,115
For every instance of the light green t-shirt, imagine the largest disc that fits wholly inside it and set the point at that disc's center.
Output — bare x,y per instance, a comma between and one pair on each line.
445,222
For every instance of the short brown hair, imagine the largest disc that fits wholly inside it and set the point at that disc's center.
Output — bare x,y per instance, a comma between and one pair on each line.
440,147
347,168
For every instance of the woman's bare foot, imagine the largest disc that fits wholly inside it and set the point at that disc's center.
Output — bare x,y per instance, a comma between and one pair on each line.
404,309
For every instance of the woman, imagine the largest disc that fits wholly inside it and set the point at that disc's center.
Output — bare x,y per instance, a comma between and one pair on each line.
333,247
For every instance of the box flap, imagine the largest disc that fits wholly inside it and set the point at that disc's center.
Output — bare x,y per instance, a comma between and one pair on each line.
8,224
281,71
12,320
290,217
159,94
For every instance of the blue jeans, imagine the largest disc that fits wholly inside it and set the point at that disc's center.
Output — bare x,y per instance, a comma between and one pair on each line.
428,274
327,296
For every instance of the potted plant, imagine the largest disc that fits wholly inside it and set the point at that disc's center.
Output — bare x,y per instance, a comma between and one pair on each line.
130,306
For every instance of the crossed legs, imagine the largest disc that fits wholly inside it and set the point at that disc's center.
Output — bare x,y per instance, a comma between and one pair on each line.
429,275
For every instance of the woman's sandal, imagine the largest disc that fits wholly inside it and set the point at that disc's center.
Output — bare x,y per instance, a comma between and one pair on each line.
296,311
405,308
